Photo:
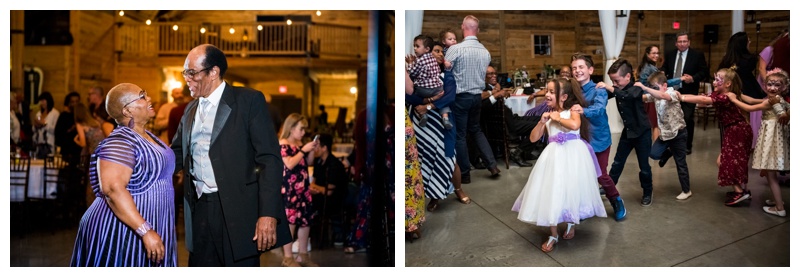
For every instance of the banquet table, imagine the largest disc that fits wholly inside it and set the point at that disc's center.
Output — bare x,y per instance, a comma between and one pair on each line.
35,183
519,105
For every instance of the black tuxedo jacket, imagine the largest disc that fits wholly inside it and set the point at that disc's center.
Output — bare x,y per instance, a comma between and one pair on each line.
695,65
245,155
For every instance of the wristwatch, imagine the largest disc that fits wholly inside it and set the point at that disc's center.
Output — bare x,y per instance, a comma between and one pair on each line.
429,107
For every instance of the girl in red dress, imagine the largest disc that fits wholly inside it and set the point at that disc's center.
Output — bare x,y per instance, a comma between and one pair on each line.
737,136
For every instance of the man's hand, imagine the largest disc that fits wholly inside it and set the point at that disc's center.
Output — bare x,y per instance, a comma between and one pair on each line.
265,236
686,78
448,64
638,84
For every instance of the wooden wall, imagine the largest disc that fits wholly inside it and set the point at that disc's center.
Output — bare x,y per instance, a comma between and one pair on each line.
54,61
575,31
94,48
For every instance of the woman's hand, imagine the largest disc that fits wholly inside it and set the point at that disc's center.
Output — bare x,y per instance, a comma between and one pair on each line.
154,246
437,96
311,146
730,95
421,109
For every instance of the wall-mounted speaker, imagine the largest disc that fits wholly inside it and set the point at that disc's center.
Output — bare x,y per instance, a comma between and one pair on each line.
710,34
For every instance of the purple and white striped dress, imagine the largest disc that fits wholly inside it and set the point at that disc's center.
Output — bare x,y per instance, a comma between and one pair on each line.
103,239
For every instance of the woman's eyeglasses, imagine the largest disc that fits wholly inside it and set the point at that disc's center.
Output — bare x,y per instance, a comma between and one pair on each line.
142,95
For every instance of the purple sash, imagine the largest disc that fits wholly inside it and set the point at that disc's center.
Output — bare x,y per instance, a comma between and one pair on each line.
561,138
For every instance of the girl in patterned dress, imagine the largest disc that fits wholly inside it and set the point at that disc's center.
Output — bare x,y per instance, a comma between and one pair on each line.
737,135
772,146
296,189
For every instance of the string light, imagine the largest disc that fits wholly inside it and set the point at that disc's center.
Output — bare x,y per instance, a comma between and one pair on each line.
353,90
288,22
232,31
319,13
148,22
175,27
121,13
202,30
260,27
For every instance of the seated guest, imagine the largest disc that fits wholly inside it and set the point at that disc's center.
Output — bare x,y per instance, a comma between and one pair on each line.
329,172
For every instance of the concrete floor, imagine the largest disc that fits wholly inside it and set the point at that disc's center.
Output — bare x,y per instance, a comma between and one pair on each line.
700,231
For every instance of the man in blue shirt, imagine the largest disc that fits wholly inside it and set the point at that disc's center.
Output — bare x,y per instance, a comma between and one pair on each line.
596,100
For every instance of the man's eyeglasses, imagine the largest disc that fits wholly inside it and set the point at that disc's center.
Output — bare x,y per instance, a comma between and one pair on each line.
142,95
189,73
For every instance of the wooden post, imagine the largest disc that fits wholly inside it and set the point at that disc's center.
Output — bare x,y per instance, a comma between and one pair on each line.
17,50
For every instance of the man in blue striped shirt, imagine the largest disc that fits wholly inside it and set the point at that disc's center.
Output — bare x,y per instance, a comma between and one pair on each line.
468,61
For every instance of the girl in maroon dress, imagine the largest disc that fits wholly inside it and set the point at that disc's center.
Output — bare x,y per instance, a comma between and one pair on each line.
737,136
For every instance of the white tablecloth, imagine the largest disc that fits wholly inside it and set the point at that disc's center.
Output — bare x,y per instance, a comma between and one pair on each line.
342,147
519,104
35,183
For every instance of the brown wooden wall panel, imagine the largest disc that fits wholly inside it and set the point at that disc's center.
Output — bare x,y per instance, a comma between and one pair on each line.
53,61
96,50
148,78
579,31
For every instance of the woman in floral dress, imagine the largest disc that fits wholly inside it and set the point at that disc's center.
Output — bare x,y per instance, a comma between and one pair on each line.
296,189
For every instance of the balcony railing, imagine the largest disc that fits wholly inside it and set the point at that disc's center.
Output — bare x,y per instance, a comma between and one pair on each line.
240,39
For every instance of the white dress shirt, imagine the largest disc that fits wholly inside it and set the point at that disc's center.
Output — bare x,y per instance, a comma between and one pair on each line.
202,170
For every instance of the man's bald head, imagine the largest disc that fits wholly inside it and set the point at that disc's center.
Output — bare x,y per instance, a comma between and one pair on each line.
470,26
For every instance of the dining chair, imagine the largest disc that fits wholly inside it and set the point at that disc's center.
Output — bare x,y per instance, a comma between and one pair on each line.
496,129
20,172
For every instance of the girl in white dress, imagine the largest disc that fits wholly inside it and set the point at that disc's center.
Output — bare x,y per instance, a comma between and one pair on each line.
562,187
772,145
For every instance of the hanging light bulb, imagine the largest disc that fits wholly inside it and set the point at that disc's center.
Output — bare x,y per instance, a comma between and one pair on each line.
175,27
121,13
288,22
232,31
148,22
202,30
319,13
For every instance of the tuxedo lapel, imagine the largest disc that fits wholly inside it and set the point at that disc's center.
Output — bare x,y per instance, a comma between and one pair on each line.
226,105
188,124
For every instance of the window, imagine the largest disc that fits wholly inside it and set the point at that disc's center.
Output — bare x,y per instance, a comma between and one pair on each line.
541,45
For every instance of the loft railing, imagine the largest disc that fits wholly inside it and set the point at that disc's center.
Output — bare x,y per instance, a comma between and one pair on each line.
240,39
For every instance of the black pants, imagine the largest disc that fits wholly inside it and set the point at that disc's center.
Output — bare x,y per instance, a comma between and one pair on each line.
210,236
676,147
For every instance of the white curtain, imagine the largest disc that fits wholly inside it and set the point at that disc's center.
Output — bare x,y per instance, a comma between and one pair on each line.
413,28
737,21
614,29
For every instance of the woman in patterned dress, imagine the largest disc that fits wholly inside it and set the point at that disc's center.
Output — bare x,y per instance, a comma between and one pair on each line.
737,135
772,147
436,144
296,189
415,191
132,220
